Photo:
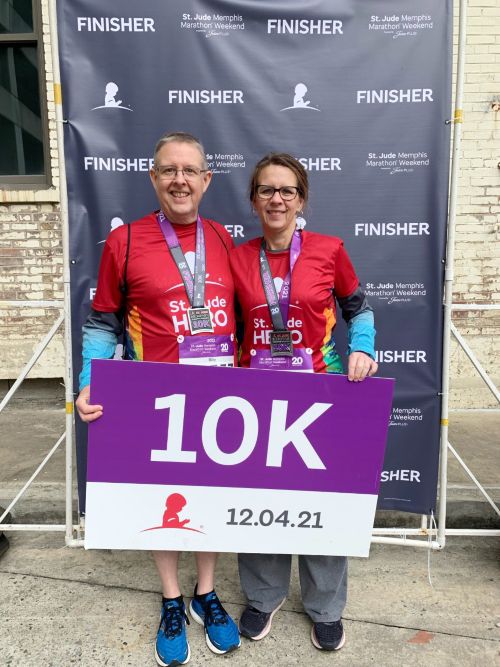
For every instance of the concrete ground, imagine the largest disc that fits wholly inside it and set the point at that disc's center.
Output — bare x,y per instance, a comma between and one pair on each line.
60,605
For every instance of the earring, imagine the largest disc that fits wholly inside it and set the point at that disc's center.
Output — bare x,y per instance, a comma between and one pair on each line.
300,221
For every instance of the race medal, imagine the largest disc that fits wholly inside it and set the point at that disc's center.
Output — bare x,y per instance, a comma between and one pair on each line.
280,338
281,344
200,320
199,316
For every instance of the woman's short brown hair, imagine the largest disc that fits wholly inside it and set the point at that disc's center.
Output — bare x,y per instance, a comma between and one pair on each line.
282,160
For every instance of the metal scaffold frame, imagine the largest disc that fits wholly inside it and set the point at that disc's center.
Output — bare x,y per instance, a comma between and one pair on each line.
72,532
436,537
429,535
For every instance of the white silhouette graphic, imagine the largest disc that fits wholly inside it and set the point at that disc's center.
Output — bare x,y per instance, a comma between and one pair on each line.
190,259
278,284
115,222
109,98
298,99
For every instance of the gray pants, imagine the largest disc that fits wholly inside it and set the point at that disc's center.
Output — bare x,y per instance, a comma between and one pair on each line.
265,579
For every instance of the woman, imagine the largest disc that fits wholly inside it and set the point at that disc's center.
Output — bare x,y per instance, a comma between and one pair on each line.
286,284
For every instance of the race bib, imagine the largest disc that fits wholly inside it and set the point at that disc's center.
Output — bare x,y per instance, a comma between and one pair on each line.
206,350
301,360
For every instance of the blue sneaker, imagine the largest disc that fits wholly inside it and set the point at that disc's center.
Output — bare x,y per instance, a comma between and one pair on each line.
221,632
172,647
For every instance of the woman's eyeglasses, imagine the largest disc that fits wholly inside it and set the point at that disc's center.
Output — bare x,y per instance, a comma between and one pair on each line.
287,192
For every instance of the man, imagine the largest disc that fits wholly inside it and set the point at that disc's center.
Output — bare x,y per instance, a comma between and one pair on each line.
147,273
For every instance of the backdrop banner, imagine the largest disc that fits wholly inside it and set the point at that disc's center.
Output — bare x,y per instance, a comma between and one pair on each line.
218,459
357,90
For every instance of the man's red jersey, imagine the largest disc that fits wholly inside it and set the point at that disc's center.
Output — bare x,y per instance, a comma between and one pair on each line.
156,298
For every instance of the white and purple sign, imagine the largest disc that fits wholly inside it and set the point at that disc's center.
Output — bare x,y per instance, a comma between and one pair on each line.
218,459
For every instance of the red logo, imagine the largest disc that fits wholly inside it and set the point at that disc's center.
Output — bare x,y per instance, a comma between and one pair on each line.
174,504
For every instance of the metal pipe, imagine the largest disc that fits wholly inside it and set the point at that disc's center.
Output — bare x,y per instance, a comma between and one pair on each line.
35,527
402,531
468,351
68,366
40,467
463,532
60,528
34,358
448,275
423,544
473,478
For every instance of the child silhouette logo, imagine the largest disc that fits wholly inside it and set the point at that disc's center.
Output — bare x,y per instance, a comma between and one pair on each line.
115,222
190,259
174,504
298,99
110,100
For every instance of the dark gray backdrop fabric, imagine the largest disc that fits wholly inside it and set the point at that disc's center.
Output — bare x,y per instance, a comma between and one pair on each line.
358,90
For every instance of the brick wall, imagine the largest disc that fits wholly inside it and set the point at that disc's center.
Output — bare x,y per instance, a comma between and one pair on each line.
31,256
30,270
477,251
30,243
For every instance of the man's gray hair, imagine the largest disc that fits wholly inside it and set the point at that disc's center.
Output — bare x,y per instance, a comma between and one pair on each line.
183,138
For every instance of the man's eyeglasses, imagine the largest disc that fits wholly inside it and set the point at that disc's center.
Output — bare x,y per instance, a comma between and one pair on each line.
287,192
169,172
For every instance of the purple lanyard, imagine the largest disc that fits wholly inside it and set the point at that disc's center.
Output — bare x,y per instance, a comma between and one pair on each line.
195,286
278,305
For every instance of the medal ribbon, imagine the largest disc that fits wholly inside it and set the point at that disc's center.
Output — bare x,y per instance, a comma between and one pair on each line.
278,305
195,285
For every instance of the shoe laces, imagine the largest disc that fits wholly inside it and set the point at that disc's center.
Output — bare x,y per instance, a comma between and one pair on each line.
215,613
256,612
329,630
172,617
